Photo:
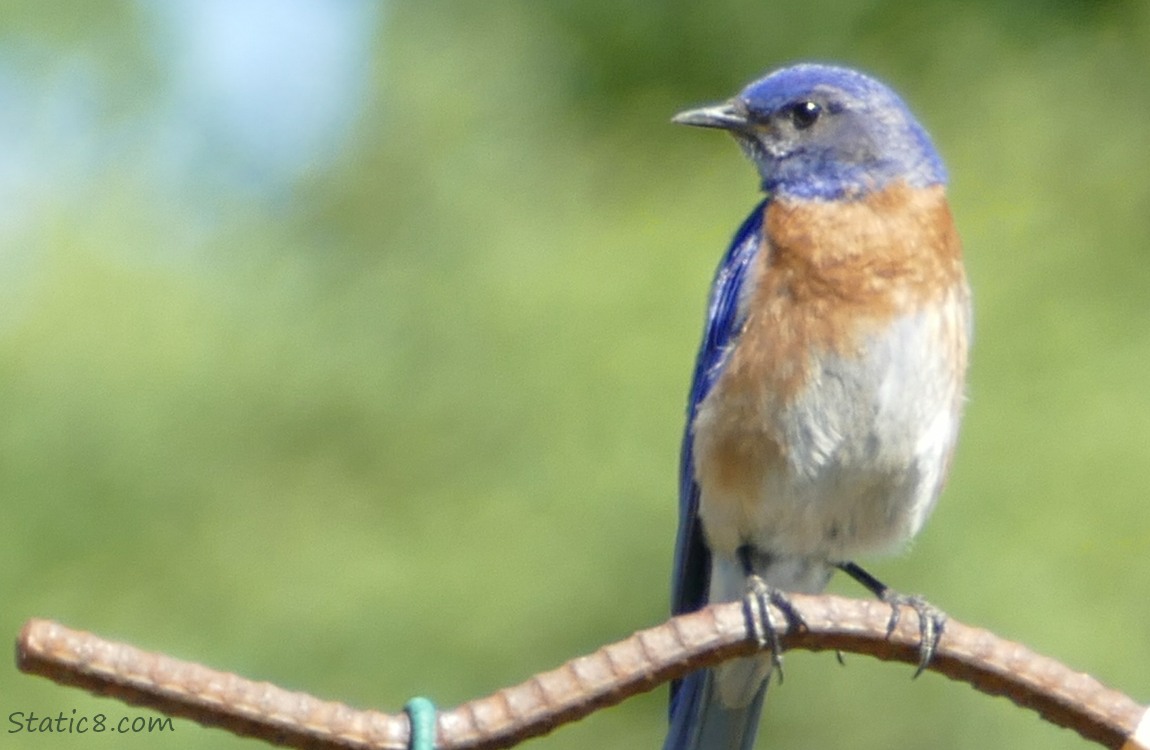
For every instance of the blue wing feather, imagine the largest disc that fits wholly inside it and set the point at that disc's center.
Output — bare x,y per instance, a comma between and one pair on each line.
692,558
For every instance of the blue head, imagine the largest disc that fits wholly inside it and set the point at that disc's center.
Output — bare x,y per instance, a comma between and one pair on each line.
823,132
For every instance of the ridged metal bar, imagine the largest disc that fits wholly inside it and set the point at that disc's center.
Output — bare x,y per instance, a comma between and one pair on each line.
583,685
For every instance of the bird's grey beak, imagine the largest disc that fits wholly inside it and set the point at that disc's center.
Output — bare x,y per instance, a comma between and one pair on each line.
722,116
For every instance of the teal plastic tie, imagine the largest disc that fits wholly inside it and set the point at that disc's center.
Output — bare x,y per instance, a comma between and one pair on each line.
421,715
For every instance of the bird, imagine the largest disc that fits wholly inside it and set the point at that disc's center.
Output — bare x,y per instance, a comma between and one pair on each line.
828,390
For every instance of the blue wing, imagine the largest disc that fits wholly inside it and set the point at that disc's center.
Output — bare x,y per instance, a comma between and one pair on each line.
692,558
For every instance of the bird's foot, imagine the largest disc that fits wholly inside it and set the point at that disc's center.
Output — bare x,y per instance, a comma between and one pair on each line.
761,619
931,619
931,623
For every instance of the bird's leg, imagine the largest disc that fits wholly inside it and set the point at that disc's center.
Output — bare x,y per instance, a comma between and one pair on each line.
757,609
931,619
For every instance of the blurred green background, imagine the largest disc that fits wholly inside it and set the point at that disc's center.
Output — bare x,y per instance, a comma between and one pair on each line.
345,345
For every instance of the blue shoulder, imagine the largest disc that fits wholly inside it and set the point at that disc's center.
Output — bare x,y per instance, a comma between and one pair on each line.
692,559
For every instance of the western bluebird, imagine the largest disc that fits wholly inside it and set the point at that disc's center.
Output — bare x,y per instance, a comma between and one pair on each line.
827,393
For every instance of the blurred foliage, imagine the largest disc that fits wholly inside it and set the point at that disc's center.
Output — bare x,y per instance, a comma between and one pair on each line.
411,426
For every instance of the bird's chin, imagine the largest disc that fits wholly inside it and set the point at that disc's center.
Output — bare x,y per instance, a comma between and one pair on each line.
750,146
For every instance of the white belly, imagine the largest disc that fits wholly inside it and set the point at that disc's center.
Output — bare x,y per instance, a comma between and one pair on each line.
857,456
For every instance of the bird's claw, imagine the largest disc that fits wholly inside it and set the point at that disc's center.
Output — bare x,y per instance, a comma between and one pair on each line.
931,619
761,620
931,623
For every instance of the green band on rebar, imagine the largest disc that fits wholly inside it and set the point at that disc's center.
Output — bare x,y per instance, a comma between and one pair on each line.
421,715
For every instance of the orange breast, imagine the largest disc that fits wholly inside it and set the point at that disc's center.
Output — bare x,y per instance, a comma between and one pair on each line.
833,272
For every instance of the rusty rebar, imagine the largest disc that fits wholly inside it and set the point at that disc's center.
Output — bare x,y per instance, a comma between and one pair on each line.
583,685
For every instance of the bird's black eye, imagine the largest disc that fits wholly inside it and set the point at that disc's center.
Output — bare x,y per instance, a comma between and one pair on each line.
804,113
